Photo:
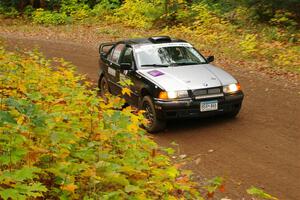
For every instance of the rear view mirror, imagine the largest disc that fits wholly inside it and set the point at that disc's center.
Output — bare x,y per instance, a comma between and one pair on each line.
126,66
210,59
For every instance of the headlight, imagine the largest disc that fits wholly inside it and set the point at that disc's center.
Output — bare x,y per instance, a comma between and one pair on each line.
232,88
173,94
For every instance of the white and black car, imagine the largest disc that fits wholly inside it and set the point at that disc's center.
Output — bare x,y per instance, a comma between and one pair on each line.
171,79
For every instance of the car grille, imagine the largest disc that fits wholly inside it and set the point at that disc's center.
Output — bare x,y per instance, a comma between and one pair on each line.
207,93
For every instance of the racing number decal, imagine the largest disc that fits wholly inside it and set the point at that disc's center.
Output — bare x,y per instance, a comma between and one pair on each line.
155,73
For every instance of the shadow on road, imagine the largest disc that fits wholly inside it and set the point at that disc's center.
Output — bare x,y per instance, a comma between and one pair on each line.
181,126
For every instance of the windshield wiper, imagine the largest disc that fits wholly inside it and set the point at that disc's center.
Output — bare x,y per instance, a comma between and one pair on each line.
189,63
155,65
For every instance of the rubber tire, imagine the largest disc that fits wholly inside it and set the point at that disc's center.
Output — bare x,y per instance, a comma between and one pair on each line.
101,83
157,124
99,86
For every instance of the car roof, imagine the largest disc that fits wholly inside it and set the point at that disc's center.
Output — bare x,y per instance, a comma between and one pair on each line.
151,40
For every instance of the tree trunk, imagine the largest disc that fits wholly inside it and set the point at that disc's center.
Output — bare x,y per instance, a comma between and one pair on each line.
43,3
23,4
38,3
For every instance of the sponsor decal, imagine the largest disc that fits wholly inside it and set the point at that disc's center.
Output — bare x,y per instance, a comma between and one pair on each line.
111,71
155,73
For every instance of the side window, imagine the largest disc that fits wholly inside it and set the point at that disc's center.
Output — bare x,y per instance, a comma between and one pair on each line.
116,53
110,54
127,56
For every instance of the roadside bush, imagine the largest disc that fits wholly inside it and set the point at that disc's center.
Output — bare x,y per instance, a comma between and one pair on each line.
240,16
249,44
288,58
138,13
8,12
59,140
205,26
272,33
41,16
28,11
284,19
184,15
105,7
203,17
71,6
81,13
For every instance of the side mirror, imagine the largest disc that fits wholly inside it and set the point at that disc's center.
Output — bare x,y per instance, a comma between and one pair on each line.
210,59
102,54
126,66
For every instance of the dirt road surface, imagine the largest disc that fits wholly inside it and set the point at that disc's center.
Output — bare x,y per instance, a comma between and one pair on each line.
261,147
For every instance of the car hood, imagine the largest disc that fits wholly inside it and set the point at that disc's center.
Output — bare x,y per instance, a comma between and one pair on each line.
188,77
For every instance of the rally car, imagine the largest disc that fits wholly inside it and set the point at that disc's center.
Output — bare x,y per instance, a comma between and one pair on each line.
171,79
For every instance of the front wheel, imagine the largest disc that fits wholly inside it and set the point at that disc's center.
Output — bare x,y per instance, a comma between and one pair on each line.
154,124
103,86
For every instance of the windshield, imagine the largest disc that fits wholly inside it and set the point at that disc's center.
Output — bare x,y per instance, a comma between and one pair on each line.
164,55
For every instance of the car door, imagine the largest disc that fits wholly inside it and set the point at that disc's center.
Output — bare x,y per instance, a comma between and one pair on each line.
127,59
113,69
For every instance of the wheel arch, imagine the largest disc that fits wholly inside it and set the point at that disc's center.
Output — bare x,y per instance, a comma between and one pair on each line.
143,92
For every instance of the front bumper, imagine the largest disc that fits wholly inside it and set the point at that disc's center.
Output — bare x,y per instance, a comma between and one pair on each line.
191,108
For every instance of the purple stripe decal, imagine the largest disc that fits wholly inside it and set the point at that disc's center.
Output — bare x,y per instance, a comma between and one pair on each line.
155,73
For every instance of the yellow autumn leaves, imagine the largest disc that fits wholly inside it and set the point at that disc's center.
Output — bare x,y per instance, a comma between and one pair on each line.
78,146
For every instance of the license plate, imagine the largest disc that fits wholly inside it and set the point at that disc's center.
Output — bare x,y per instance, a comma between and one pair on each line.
208,106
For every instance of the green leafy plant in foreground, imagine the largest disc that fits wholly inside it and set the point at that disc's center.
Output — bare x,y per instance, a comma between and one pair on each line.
59,140
213,185
260,193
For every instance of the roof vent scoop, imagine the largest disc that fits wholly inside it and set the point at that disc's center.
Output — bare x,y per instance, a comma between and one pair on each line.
160,39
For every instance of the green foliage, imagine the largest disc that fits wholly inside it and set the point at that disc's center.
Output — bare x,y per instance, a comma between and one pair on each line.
279,13
81,13
266,9
209,31
260,193
249,44
23,191
205,23
8,12
288,58
78,10
105,7
41,16
203,16
28,11
138,13
59,140
283,19
213,185
71,6
10,3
